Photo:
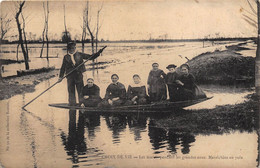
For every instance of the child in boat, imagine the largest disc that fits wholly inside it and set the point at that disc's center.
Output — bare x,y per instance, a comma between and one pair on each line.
156,84
115,93
91,94
136,92
172,82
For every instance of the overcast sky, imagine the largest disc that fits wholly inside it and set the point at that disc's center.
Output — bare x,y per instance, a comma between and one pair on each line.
141,20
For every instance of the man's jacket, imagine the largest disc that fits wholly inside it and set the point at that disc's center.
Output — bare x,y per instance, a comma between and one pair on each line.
67,64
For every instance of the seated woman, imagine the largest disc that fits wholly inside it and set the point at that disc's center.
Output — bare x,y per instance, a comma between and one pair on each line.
156,84
91,94
136,92
187,84
115,93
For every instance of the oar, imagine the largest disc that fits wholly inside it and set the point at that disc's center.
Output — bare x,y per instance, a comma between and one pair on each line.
61,79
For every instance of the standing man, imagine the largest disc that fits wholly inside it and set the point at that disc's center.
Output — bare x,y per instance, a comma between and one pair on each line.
75,79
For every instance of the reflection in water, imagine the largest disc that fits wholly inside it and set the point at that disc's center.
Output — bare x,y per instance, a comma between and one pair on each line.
186,140
92,121
83,127
173,140
29,135
51,117
117,124
157,137
160,138
7,127
75,143
137,124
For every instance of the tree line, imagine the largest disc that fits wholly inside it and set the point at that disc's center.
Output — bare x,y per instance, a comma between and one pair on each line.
89,34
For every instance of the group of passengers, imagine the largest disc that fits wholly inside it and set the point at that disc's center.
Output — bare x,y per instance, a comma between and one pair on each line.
181,87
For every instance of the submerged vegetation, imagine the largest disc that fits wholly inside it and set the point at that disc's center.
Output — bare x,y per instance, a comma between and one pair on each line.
222,119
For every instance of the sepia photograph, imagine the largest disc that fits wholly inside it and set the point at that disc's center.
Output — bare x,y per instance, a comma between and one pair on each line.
129,83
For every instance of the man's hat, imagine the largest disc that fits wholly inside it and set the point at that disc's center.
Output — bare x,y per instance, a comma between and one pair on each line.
171,66
71,44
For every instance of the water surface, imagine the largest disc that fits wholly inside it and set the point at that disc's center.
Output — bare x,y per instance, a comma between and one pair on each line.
43,136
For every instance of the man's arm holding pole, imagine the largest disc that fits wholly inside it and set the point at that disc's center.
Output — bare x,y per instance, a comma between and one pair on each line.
93,56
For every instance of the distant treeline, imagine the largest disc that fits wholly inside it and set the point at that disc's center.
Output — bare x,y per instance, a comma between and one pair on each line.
187,40
144,41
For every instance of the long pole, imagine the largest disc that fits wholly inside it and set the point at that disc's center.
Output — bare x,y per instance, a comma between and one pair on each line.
60,80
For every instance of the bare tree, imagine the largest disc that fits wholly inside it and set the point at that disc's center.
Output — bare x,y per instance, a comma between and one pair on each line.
65,27
20,31
43,41
24,35
47,28
5,25
44,28
98,26
257,60
84,31
17,52
250,18
87,22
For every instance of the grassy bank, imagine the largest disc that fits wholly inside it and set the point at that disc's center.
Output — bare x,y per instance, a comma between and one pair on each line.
222,119
9,61
19,85
223,67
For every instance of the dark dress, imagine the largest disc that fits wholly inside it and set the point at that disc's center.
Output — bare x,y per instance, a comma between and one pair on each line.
187,91
94,95
75,79
172,85
139,91
113,91
157,90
